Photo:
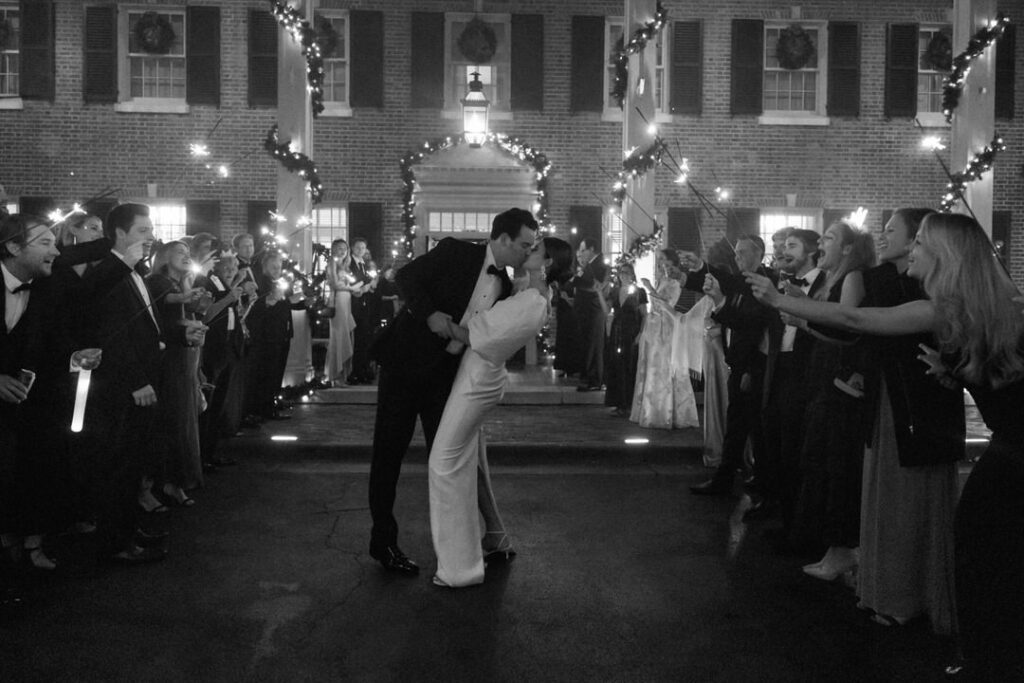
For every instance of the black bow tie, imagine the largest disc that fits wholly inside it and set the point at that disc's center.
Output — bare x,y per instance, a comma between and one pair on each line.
24,287
494,270
798,282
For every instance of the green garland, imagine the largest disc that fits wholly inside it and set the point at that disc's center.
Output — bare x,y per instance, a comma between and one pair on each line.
295,162
981,162
514,147
291,20
620,56
641,246
979,42
636,165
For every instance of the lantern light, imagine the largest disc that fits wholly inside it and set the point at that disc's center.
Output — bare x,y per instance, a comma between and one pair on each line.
474,112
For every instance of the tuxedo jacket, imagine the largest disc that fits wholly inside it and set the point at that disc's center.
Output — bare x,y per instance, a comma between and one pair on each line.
221,344
591,277
928,418
802,344
745,316
443,280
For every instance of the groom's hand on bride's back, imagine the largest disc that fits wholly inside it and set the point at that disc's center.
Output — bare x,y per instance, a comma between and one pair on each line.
439,323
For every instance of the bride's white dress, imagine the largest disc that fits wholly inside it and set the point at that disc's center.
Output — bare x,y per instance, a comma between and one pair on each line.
458,458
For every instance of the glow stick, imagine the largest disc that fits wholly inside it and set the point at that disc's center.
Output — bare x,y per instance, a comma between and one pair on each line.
81,394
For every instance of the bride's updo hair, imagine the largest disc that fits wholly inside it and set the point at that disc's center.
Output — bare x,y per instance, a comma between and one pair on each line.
561,257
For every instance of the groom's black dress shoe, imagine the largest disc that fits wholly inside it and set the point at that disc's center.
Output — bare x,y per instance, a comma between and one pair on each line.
393,559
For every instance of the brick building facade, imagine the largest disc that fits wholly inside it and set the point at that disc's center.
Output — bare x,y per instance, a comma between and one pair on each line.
97,113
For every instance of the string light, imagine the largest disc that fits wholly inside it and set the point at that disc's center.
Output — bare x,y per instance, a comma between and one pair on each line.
953,85
291,20
722,194
296,162
981,162
638,41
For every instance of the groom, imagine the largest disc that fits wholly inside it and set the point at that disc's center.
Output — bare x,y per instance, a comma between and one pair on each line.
418,357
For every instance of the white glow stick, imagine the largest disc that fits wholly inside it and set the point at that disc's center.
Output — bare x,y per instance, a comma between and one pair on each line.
81,394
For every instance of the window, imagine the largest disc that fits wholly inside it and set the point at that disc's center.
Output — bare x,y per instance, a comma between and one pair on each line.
929,79
460,221
613,33
496,75
773,220
329,223
169,221
336,66
10,56
611,229
794,91
150,81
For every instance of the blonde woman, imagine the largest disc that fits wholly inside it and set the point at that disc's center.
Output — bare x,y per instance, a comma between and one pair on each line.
338,365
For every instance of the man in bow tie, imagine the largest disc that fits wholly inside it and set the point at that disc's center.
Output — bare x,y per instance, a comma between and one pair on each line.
418,356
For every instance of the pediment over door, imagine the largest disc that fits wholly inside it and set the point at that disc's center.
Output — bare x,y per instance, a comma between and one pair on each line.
469,180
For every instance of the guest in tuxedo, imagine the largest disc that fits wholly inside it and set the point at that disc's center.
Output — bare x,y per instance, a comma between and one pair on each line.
33,368
362,286
745,320
418,357
628,309
591,310
245,248
779,248
124,394
222,359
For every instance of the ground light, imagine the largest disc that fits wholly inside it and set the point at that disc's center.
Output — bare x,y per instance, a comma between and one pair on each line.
284,437
636,440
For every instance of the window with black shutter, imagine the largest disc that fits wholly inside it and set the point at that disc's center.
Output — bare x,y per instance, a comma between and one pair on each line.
202,215
1006,59
1002,230
367,58
262,58
528,62
588,63
901,65
747,66
257,216
843,69
203,56
337,62
365,220
427,54
99,67
37,50
586,220
687,68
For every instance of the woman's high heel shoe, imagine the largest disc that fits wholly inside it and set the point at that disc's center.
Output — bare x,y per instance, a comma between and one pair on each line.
831,568
497,547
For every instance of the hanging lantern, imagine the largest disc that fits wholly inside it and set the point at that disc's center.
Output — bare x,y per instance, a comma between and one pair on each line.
474,113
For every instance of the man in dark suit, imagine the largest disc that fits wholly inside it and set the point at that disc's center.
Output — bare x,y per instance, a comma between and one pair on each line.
120,411
745,320
591,312
418,357
361,313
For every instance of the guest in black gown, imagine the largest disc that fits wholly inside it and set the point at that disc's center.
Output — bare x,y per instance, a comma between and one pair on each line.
628,307
568,355
971,309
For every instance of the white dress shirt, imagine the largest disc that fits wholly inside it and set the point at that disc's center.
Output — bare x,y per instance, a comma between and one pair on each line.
485,293
140,285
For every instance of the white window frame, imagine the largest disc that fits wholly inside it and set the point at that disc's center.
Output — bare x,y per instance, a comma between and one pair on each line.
147,105
453,222
13,100
323,217
339,107
163,228
930,119
611,111
498,110
775,218
818,117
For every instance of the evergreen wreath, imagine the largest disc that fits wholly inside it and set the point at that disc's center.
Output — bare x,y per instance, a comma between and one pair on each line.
326,36
5,33
154,33
795,47
477,42
939,53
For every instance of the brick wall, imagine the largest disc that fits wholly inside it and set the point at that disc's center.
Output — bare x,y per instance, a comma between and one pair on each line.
69,150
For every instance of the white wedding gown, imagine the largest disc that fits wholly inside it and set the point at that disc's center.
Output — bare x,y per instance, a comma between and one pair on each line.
458,458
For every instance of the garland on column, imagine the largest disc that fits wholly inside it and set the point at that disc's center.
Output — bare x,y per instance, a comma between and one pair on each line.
620,56
512,146
953,86
296,162
291,20
634,166
981,162
641,246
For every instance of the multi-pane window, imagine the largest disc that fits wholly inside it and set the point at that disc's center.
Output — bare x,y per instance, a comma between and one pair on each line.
496,75
10,21
793,90
169,221
329,223
157,75
336,64
611,230
613,33
773,220
460,221
929,77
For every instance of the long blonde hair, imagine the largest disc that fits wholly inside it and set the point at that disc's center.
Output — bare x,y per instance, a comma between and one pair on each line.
860,257
973,296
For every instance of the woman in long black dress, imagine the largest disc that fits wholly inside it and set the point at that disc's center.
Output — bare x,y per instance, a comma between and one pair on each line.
971,309
628,307
568,355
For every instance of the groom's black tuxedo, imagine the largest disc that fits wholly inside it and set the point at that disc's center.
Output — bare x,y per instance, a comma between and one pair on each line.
416,372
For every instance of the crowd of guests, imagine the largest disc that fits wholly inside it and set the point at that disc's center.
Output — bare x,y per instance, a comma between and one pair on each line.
191,338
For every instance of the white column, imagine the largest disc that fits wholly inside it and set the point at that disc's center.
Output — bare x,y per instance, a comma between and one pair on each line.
974,117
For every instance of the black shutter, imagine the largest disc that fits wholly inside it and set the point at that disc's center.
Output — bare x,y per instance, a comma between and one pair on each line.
830,216
528,62
587,221
742,222
1002,228
365,220
36,206
427,60
886,215
684,229
588,63
747,66
99,68
366,31
37,49
202,215
901,70
258,216
263,37
686,91
1006,50
203,56
843,69
100,207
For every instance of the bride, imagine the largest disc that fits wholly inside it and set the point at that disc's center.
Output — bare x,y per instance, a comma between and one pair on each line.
459,479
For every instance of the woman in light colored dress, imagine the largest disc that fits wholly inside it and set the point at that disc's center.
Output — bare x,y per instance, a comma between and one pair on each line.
663,397
341,344
459,479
